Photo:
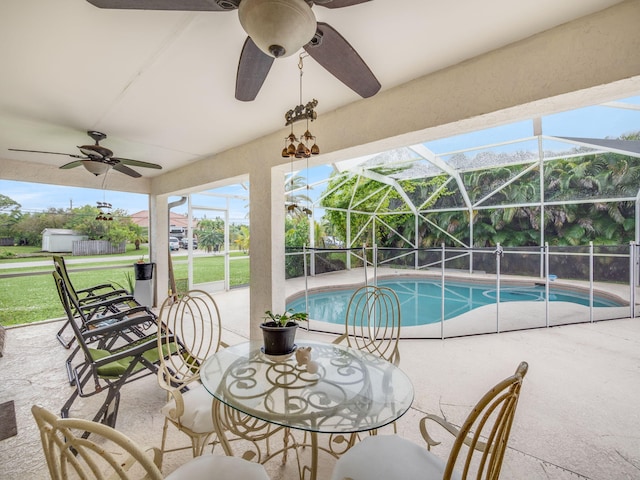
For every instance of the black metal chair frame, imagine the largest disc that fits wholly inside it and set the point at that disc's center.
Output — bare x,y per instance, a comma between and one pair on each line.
99,313
93,300
140,354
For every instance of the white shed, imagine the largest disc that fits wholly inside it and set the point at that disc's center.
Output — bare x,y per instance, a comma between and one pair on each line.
60,239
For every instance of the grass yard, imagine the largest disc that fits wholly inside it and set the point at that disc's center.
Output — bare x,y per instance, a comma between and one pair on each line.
211,269
33,298
23,254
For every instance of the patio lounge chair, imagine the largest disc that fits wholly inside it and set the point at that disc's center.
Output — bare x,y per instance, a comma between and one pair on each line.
110,357
101,313
93,300
485,434
111,454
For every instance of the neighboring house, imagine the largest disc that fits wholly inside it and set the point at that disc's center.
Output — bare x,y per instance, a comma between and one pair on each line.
177,221
58,240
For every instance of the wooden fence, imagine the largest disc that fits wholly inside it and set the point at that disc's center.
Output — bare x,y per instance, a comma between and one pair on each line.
97,247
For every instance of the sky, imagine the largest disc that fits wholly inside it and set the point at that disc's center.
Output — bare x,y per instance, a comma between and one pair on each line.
35,198
594,122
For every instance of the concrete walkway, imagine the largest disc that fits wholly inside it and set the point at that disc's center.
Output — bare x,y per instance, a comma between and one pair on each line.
577,419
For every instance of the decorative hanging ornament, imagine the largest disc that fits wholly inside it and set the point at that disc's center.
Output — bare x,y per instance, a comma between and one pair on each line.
104,212
306,144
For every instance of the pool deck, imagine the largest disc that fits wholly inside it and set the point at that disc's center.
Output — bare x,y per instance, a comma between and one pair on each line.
577,418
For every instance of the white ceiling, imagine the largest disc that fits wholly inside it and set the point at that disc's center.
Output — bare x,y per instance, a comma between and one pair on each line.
161,84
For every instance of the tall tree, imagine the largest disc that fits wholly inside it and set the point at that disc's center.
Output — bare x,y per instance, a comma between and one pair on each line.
243,239
210,234
9,215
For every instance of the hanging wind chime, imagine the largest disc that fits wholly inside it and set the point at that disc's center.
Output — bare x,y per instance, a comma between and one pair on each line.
105,211
306,143
104,208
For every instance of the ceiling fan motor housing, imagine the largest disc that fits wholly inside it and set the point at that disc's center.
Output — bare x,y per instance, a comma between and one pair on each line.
278,27
96,152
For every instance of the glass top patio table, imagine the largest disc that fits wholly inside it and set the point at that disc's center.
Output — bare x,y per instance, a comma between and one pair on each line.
351,391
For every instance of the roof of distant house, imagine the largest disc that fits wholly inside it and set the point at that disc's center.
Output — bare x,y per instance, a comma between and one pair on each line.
60,231
178,219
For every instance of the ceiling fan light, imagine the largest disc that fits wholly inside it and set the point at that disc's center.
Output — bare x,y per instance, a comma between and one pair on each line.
278,27
315,149
97,168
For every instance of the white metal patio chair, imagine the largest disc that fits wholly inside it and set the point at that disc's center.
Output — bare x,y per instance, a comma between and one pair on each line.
111,454
484,436
190,328
373,322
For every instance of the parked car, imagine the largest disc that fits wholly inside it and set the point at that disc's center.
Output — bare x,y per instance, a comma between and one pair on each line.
184,243
174,244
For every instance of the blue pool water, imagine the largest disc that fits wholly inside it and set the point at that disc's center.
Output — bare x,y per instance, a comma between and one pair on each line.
421,299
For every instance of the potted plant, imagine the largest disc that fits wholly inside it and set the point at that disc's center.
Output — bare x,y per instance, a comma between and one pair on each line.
143,269
279,331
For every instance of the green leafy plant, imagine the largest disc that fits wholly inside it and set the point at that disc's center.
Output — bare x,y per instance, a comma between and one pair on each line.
129,281
4,254
281,319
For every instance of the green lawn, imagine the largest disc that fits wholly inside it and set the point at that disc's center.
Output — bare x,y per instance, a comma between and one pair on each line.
30,254
32,298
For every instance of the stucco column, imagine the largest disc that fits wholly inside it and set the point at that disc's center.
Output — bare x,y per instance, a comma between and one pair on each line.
159,244
266,203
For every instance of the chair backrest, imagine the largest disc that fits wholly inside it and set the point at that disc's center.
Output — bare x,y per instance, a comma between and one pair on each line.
191,328
107,453
373,321
61,268
95,292
486,430
75,315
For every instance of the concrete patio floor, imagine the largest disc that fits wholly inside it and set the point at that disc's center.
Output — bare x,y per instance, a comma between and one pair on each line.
578,415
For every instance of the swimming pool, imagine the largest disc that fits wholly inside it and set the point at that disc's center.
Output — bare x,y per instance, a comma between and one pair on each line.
421,299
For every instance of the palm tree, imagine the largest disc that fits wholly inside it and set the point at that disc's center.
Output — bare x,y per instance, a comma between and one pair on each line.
243,239
136,234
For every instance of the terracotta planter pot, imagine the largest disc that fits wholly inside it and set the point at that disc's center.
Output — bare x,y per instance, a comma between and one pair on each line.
278,340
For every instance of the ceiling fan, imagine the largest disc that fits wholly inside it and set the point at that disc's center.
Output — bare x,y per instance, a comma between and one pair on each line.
98,159
277,28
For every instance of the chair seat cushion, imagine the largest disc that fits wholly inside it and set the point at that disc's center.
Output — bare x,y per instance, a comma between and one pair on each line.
197,410
219,467
390,457
119,367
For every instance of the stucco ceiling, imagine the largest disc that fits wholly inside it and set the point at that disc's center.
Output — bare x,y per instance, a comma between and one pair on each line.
161,84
